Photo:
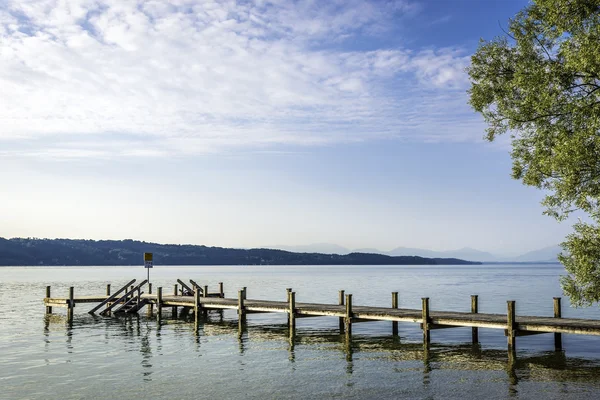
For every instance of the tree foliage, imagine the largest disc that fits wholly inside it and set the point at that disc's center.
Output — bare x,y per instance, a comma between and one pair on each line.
541,85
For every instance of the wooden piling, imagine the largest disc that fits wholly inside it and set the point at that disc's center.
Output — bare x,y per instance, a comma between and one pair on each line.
221,293
474,310
71,304
557,314
196,306
287,299
159,302
205,291
511,325
241,311
48,308
425,318
292,311
341,303
175,293
108,289
348,319
395,305
245,290
150,309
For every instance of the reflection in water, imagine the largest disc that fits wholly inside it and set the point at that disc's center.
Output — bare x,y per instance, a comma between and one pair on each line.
137,332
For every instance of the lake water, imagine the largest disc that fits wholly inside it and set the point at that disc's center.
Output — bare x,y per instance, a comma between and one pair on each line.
133,357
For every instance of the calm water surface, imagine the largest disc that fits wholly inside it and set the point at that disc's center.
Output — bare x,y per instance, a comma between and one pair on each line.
132,357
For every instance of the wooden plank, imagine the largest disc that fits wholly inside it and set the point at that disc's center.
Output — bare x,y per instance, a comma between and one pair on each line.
111,297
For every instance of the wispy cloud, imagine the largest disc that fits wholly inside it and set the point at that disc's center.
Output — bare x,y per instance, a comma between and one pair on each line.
122,77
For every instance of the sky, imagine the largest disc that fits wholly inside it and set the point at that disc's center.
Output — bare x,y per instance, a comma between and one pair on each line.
256,123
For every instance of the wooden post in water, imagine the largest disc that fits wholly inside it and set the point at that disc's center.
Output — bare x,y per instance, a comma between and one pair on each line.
174,308
341,303
474,310
205,291
150,309
292,311
511,325
348,319
196,307
221,293
48,308
71,305
395,305
557,314
108,289
288,291
159,303
245,290
425,317
241,311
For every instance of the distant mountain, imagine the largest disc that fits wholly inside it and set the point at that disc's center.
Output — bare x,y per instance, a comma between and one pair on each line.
547,254
32,252
465,253
326,248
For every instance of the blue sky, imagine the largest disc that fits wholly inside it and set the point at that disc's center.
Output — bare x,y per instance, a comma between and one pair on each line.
256,123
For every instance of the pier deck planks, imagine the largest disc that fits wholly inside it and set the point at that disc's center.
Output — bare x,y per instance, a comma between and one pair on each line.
437,318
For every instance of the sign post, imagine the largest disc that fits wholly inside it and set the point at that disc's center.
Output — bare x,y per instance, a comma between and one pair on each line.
148,263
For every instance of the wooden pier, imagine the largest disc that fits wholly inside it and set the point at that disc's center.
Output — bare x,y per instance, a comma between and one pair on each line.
131,299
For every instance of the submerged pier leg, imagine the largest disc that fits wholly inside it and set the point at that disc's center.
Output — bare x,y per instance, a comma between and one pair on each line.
348,319
474,310
196,310
287,298
395,305
241,313
511,325
425,317
159,302
221,293
341,303
70,305
150,309
48,308
292,312
557,314
174,308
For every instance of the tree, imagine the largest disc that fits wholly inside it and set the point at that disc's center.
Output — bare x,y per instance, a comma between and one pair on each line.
541,85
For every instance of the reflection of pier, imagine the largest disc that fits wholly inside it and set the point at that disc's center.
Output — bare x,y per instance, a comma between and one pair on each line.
130,299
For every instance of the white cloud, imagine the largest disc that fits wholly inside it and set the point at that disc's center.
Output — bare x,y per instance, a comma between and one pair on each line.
186,77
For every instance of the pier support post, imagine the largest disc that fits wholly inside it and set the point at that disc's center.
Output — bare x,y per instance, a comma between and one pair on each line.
511,325
474,310
241,311
196,309
221,293
150,309
108,289
292,311
425,317
245,291
341,303
348,319
205,294
395,305
287,298
48,308
71,305
175,293
159,302
557,314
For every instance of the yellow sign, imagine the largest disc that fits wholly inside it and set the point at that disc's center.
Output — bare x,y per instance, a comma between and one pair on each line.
147,256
